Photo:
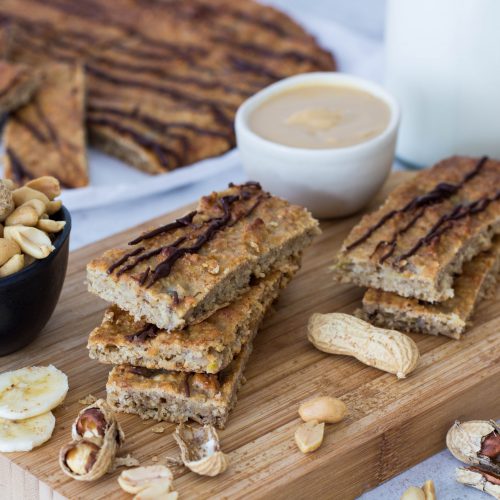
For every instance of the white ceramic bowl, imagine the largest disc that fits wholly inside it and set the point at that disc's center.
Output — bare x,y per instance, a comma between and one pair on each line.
330,182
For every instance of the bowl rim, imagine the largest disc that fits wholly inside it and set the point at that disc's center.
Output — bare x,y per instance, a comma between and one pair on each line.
34,266
321,77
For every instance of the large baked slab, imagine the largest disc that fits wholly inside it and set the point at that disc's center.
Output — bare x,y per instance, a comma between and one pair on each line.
164,77
392,424
182,272
426,229
451,317
46,136
207,347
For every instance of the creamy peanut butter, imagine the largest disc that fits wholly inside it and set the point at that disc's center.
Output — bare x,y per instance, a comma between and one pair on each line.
320,117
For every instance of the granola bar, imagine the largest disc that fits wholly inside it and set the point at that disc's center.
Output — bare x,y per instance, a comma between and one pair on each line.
182,272
17,84
47,135
427,228
177,396
208,346
451,317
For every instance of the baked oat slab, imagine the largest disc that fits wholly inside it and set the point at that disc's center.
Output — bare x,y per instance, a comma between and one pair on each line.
177,396
451,317
208,346
184,271
47,135
17,84
424,232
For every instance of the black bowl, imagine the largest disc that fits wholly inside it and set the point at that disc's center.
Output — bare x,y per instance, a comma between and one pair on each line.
28,298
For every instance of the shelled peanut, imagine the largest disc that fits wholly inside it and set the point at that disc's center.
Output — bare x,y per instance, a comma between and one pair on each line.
26,229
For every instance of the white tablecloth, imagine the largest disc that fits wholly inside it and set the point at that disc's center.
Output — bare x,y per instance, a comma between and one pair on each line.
111,205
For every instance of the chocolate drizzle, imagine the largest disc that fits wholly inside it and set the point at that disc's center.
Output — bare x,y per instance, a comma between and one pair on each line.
163,269
146,333
19,171
441,192
174,251
183,221
123,259
446,221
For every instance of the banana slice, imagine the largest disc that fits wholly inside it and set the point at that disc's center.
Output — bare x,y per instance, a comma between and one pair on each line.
24,435
31,391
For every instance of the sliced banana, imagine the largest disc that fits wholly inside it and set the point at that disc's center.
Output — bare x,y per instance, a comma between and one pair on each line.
31,391
24,435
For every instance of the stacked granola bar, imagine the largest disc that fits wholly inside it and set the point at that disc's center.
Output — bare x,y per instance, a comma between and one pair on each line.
430,253
188,298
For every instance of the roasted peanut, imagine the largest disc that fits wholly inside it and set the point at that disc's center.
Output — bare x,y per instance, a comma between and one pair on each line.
13,265
23,194
47,184
309,436
8,249
413,493
323,409
38,205
51,226
25,215
81,456
53,207
31,240
387,350
9,183
426,492
475,442
153,477
6,202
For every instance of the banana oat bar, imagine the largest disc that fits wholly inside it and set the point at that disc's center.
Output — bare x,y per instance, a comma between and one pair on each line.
47,135
177,396
208,346
184,271
450,318
17,85
428,227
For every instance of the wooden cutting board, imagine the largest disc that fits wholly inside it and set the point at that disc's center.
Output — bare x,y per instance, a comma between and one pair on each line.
392,424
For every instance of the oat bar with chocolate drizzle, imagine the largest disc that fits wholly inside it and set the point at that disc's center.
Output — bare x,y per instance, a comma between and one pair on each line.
47,135
177,396
208,346
427,228
184,271
451,317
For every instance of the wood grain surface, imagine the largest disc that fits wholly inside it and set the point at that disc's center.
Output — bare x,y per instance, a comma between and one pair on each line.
392,424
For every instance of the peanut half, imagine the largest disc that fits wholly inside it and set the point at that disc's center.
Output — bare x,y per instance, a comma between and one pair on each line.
323,409
25,215
31,240
309,436
13,265
8,249
387,350
47,184
426,492
23,194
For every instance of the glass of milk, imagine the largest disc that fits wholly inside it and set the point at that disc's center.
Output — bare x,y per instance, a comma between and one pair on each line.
443,65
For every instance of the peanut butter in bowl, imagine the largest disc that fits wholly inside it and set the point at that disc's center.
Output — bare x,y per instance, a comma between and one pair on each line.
322,140
320,117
